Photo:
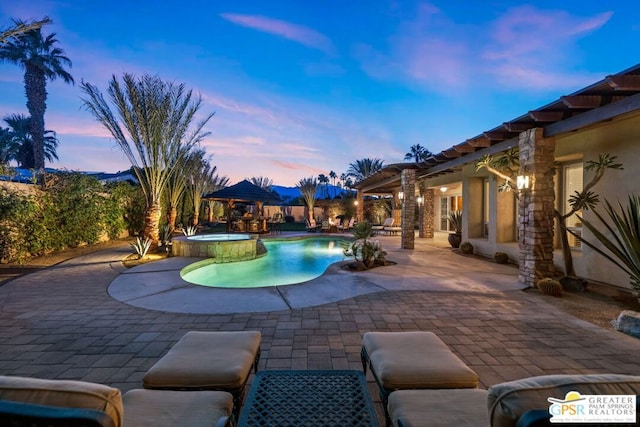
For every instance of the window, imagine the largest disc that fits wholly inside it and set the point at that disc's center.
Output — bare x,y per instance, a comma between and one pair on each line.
572,183
448,205
444,213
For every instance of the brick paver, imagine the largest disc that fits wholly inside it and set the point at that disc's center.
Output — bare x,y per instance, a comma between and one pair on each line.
61,323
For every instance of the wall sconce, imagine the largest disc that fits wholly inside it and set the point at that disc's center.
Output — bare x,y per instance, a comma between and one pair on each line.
419,200
522,182
400,195
355,203
443,189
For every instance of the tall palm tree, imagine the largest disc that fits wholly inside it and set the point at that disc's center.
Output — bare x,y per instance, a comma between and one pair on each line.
364,168
308,188
21,141
21,27
262,181
323,180
41,61
177,183
159,120
199,182
418,153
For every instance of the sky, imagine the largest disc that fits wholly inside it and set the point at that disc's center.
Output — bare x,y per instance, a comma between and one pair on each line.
302,88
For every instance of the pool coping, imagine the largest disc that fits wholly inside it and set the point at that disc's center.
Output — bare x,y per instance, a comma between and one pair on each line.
158,285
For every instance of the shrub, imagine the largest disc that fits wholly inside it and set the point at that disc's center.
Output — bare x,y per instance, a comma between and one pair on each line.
501,257
141,247
550,286
466,248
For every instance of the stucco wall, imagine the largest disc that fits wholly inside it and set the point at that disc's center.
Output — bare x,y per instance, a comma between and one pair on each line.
620,137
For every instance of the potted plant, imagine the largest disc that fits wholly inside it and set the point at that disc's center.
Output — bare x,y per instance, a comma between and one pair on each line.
455,220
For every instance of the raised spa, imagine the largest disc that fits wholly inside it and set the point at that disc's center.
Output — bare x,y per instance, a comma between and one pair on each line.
219,248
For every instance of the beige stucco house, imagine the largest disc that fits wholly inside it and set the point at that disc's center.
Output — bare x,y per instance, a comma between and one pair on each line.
554,142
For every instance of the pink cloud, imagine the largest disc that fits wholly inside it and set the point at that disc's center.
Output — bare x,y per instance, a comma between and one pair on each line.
525,30
297,33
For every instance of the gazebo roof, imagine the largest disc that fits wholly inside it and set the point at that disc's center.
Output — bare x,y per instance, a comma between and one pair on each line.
244,191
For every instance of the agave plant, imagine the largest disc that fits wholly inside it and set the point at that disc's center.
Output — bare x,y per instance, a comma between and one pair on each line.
190,230
623,247
455,219
141,247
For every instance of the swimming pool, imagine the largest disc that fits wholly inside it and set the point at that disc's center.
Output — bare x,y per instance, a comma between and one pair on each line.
287,262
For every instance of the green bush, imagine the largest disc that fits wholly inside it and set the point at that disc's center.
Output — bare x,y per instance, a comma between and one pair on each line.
72,209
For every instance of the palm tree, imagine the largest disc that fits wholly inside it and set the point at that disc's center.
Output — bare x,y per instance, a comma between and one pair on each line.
364,168
21,27
262,182
200,181
308,188
177,183
217,183
418,152
41,61
323,180
20,141
158,118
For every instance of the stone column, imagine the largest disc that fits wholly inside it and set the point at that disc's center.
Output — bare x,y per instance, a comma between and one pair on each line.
408,180
537,204
427,212
359,207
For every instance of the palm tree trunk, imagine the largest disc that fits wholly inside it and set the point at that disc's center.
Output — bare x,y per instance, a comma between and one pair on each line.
35,88
567,257
171,221
196,217
152,223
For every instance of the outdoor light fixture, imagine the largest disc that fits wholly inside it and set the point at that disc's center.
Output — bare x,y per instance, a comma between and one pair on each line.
355,202
400,195
522,182
443,189
419,200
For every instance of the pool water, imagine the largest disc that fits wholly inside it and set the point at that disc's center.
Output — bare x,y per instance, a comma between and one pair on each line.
286,263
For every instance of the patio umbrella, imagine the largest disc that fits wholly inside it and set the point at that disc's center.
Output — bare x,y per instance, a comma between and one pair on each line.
244,191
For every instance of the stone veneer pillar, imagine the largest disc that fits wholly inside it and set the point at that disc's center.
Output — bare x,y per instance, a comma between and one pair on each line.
408,181
359,207
427,212
536,218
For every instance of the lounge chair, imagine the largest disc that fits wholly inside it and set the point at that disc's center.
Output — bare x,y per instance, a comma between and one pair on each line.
346,225
312,227
326,226
387,223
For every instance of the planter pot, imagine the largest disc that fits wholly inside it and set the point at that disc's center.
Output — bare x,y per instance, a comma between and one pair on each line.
455,239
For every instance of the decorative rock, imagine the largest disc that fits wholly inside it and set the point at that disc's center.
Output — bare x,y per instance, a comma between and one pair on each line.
628,322
573,284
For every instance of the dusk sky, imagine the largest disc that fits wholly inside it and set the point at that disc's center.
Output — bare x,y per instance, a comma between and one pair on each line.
301,87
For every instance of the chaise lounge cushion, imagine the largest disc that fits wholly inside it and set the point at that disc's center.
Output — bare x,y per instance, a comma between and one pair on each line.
438,408
510,400
406,360
62,393
206,361
167,408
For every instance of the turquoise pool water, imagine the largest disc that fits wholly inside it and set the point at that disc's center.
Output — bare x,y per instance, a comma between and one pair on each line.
287,262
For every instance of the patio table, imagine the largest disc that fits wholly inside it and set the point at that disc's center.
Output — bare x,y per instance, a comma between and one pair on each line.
308,398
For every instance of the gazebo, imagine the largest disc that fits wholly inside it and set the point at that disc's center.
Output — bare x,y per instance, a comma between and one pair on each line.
243,191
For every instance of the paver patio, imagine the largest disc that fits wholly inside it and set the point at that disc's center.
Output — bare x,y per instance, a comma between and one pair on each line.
62,323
